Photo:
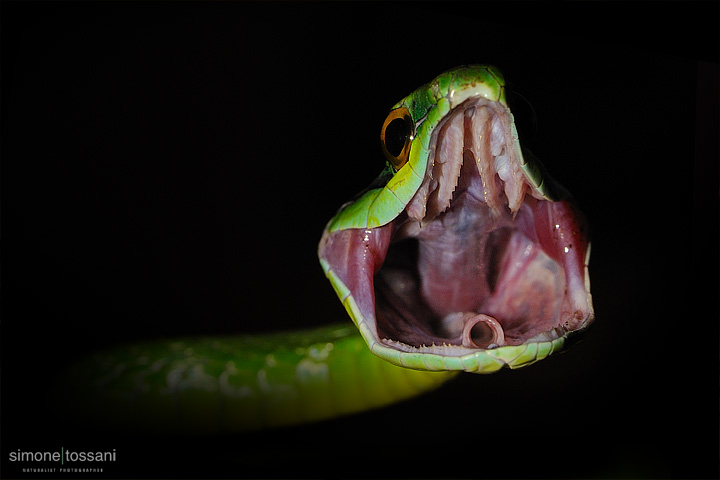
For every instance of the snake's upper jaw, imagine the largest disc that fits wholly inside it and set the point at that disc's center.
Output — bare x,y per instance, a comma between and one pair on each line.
481,269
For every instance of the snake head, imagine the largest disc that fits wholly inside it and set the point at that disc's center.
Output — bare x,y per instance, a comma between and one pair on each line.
464,254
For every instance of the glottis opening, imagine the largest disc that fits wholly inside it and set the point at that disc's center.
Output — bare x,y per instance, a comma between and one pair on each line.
479,258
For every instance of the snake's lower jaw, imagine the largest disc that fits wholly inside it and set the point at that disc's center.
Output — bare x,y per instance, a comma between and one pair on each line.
535,298
481,270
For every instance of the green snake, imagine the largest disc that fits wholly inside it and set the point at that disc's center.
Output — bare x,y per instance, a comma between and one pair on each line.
462,255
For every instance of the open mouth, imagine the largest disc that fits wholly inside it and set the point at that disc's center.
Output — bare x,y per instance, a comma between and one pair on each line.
478,259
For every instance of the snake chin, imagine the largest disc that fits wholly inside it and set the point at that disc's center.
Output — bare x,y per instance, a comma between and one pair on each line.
479,258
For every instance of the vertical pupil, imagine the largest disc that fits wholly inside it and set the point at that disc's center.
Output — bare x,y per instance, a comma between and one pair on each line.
396,134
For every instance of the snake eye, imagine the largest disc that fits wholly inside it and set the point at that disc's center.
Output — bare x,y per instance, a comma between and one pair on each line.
396,137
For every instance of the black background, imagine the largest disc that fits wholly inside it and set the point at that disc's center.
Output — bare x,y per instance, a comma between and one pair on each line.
167,169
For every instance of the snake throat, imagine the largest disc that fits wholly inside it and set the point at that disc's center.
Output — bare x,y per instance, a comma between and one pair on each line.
478,259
